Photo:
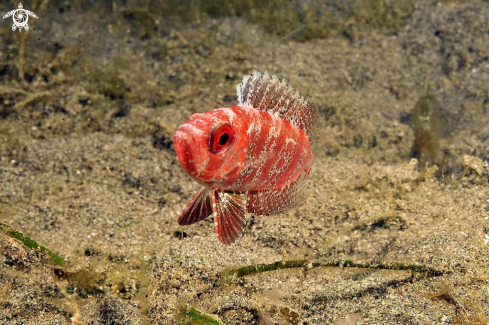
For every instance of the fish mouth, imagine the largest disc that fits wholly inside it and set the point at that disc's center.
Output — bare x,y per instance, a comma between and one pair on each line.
185,145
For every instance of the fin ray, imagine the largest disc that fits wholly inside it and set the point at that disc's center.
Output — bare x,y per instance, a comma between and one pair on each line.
268,93
229,215
199,208
276,201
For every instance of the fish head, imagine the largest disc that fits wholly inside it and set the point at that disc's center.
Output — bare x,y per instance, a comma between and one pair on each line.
211,145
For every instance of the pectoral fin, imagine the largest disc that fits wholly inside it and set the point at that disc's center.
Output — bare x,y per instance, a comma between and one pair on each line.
199,208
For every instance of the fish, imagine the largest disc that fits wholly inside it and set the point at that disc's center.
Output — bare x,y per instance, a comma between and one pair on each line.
250,158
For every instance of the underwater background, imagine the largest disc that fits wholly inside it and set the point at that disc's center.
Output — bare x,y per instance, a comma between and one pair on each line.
395,224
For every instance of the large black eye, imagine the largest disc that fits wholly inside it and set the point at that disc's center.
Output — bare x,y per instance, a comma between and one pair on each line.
221,138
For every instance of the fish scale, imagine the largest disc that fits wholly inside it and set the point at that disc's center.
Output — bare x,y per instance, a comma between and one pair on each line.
249,158
263,160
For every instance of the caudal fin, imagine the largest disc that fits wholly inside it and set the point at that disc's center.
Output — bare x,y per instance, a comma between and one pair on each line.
197,209
229,215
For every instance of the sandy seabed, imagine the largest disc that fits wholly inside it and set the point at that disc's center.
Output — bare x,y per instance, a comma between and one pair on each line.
88,169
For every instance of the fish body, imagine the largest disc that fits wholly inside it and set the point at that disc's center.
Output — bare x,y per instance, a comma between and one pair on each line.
267,151
251,157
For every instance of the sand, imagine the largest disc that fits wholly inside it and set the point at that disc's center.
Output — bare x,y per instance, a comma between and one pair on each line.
87,169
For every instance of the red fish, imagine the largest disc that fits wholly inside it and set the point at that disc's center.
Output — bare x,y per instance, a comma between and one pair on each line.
252,157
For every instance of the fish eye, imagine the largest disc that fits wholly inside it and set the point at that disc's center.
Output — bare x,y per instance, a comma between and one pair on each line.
222,137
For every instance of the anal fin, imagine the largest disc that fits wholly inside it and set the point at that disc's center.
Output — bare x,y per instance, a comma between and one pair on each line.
199,208
229,215
278,200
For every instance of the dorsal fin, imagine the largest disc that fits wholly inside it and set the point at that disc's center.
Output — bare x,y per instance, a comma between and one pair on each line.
268,93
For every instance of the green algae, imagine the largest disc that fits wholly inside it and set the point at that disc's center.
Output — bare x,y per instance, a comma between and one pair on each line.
32,244
395,266
193,316
342,263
